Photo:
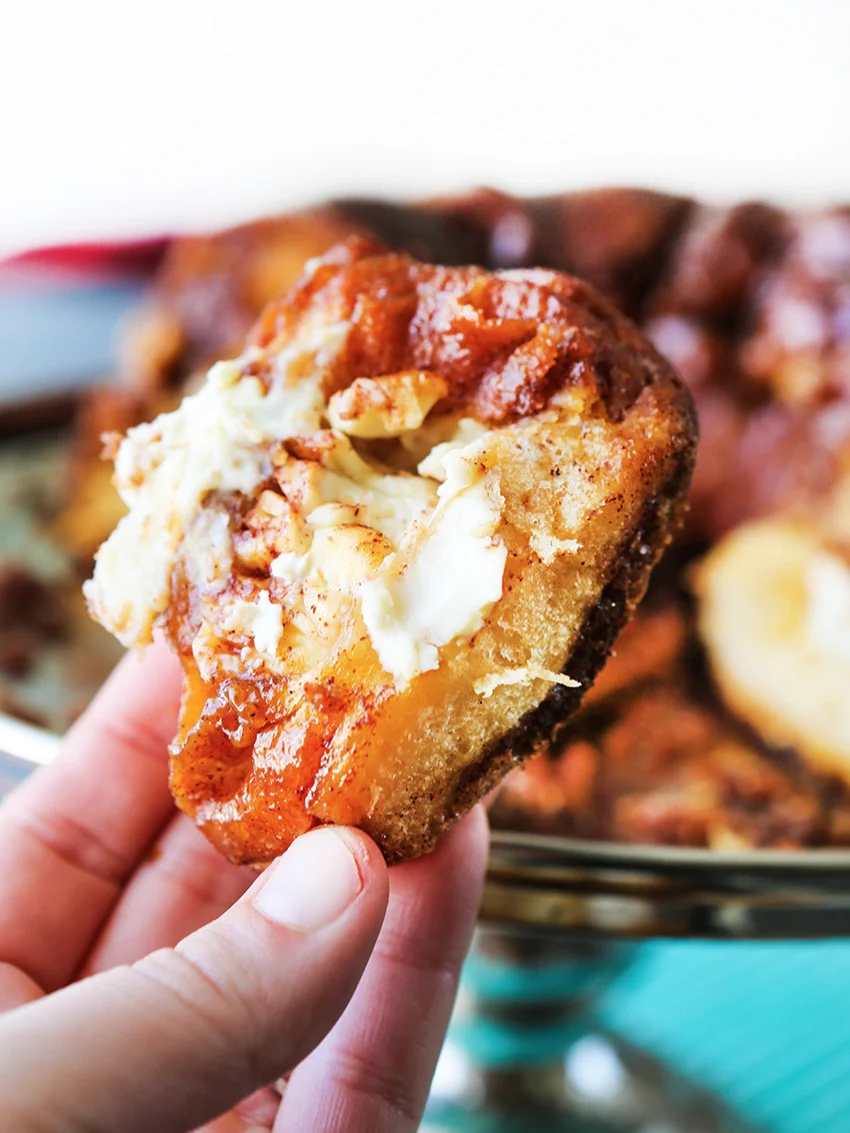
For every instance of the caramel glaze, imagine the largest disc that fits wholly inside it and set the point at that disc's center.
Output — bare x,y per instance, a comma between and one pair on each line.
504,344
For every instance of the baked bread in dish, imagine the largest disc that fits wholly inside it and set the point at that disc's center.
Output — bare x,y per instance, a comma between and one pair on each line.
393,541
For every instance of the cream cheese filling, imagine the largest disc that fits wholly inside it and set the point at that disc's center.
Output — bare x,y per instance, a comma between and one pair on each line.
435,577
445,586
218,439
262,619
419,554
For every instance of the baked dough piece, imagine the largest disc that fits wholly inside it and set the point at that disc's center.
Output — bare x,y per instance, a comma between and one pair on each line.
774,614
393,542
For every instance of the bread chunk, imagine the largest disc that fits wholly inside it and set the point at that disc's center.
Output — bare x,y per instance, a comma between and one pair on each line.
774,613
393,542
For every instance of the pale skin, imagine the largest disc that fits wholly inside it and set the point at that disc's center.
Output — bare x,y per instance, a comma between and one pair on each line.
147,984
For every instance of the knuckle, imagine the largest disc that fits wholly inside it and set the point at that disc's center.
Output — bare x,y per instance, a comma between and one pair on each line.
424,955
74,842
389,1094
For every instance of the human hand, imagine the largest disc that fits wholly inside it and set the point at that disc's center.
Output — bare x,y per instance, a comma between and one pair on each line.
183,1019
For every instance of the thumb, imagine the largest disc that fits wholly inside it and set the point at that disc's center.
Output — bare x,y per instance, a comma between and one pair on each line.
187,1032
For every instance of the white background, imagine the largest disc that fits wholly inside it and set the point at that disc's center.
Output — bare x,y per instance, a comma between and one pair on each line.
119,118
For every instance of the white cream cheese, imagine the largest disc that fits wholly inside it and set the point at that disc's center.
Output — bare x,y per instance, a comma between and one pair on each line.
218,439
488,685
338,557
356,515
828,592
261,620
464,433
446,584
210,550
548,548
424,575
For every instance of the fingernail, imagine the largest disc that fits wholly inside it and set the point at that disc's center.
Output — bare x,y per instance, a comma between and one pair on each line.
312,884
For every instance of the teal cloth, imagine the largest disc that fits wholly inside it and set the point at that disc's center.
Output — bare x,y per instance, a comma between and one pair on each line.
765,1025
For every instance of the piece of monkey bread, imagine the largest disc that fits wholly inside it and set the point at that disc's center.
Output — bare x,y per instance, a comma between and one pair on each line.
393,542
774,614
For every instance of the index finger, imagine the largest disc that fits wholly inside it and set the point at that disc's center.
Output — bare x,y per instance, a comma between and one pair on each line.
373,1070
72,833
